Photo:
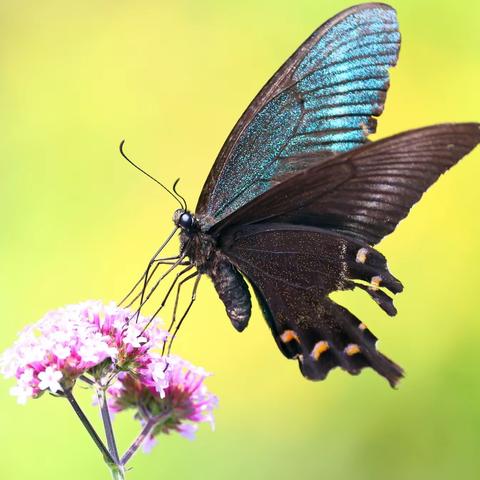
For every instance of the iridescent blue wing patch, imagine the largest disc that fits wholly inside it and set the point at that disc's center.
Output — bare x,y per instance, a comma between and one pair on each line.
321,102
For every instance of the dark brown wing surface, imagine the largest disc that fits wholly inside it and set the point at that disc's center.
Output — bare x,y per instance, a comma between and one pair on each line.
293,269
366,192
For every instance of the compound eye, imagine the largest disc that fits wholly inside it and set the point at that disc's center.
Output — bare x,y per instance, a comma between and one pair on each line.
185,221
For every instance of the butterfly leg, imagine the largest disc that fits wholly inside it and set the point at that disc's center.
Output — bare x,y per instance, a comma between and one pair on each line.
150,263
175,306
158,262
169,291
144,299
177,297
192,300
147,276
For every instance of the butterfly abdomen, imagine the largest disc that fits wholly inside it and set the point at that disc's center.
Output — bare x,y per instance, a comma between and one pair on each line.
233,291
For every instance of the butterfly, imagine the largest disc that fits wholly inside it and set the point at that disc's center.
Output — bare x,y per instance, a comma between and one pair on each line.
298,197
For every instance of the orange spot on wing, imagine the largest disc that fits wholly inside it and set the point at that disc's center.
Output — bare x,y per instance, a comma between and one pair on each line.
319,348
288,336
375,282
352,349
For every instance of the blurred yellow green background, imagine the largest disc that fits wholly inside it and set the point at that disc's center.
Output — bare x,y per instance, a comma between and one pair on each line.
78,222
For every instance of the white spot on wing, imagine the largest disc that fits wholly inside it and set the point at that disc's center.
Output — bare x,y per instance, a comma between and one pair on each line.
361,255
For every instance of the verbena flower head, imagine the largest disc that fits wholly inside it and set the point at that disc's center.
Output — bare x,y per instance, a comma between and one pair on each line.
169,392
89,337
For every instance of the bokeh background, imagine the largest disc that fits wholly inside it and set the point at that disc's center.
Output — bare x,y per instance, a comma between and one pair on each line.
78,222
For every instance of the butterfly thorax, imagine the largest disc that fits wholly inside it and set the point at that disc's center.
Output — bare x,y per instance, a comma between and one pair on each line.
199,248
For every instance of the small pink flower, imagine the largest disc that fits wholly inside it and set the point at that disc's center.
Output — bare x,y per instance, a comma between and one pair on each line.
62,352
148,444
188,430
49,380
22,390
156,370
134,336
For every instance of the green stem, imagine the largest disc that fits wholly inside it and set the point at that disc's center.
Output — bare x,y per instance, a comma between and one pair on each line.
88,426
117,472
107,424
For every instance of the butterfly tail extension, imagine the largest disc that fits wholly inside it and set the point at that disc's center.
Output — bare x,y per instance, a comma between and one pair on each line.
352,348
342,341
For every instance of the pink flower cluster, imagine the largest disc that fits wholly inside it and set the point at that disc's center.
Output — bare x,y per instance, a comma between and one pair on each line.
100,343
71,341
170,391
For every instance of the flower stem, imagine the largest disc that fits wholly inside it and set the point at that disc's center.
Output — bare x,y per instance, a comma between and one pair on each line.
107,424
117,472
139,440
137,443
88,426
87,380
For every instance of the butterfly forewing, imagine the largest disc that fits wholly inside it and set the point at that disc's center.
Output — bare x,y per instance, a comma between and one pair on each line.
321,101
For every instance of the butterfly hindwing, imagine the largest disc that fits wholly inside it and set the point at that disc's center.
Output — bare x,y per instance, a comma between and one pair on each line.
322,101
293,269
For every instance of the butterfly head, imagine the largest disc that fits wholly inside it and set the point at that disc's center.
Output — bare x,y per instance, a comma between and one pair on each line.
184,219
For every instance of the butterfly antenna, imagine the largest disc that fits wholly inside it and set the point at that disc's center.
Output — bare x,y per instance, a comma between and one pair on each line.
174,188
147,174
